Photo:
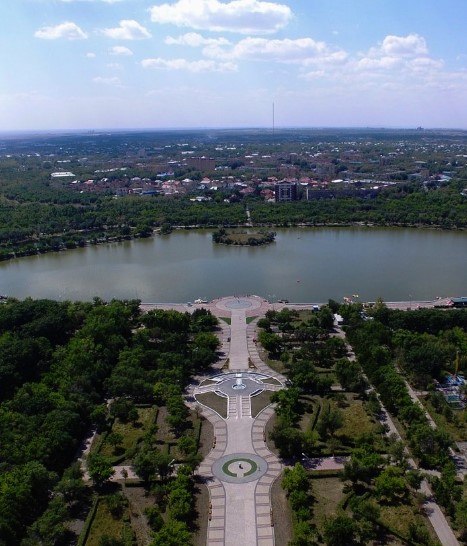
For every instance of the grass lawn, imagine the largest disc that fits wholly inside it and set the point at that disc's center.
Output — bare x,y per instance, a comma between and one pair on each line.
275,365
227,320
105,524
139,499
202,509
304,315
250,319
328,494
164,434
456,428
131,432
206,437
356,420
271,381
259,402
213,401
281,513
307,419
398,519
268,429
329,497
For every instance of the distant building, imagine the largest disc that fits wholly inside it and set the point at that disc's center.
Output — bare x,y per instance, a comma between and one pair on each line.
289,170
206,164
62,174
285,191
338,320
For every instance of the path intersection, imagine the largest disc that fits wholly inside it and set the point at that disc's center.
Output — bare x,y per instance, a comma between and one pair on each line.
239,470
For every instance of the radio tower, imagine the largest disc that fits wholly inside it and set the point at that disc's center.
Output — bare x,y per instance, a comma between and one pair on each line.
273,126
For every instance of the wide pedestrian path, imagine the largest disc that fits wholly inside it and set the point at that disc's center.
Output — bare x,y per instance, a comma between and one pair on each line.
240,469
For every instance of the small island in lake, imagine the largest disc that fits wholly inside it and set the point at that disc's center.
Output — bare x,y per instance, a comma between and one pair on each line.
243,238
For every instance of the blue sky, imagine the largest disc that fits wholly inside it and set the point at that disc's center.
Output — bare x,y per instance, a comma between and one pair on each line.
90,64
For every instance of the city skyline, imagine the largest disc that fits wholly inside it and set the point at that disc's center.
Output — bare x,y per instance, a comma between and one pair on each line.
90,64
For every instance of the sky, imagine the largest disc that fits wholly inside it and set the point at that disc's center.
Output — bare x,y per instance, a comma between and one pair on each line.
119,64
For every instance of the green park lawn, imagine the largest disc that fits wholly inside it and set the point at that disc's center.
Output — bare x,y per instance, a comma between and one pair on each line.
330,498
104,524
328,494
213,401
356,420
457,426
131,432
259,402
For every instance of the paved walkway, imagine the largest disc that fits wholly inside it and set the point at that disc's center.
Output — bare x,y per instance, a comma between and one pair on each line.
240,511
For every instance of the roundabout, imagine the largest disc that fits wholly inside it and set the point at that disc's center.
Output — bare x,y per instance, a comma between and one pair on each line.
239,468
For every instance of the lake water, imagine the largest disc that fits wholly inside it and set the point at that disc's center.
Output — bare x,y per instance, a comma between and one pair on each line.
303,265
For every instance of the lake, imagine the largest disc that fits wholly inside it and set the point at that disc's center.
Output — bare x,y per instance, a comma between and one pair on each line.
303,265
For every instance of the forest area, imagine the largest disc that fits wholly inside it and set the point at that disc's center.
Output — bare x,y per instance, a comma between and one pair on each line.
70,367
330,410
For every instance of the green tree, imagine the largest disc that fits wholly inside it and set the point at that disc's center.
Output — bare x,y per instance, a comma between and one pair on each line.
289,408
99,468
173,533
340,530
296,479
116,504
288,440
364,465
390,485
461,518
115,439
154,517
329,422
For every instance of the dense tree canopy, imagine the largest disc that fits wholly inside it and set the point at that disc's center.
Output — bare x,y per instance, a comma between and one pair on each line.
58,364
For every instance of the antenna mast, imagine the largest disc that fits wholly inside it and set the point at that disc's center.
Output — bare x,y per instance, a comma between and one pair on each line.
273,121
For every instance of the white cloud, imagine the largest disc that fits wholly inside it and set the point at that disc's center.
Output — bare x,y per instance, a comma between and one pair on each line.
120,51
299,51
243,16
128,29
114,66
411,45
193,39
399,54
190,66
399,63
91,55
66,30
107,81
104,1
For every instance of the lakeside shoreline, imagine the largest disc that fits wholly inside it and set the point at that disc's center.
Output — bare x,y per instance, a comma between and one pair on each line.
13,255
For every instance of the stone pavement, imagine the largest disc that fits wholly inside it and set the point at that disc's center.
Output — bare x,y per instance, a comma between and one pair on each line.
240,470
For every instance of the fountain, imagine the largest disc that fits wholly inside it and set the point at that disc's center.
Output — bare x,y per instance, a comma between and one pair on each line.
239,385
